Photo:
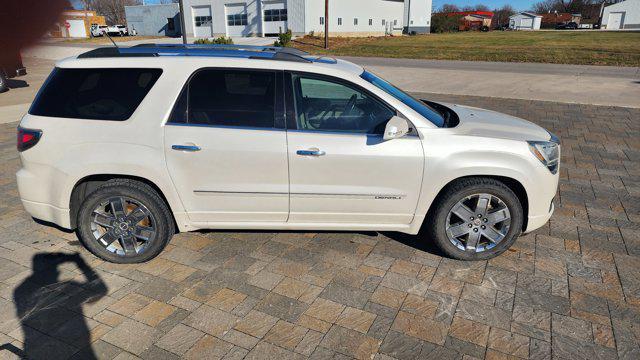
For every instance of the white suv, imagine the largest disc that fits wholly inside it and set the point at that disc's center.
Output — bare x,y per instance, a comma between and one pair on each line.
129,146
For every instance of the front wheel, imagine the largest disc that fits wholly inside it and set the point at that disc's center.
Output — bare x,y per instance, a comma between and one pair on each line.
124,221
476,219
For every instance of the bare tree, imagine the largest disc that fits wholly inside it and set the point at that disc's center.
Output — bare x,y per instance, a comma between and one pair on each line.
501,15
112,10
478,7
447,8
565,6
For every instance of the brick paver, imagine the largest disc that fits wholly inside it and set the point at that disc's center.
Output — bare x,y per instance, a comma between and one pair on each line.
569,290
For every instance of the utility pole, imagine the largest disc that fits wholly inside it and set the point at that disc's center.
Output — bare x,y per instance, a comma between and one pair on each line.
326,24
182,26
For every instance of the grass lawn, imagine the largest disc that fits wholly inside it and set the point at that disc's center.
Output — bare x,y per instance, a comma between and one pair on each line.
560,47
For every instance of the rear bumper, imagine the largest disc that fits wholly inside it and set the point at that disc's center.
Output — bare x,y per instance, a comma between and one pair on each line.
48,212
38,195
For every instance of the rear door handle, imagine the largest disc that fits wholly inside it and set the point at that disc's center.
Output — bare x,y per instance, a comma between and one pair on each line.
311,152
188,148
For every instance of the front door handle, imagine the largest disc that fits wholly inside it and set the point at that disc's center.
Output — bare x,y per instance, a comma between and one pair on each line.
311,152
188,148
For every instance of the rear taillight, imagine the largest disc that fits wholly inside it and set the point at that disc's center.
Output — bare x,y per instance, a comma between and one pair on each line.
28,138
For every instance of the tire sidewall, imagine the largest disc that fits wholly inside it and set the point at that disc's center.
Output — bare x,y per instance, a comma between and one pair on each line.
91,202
506,195
3,83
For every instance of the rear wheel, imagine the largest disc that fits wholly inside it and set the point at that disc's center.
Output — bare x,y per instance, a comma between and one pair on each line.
124,221
3,82
476,219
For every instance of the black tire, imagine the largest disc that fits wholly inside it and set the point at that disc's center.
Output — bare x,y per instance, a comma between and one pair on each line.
140,192
462,189
3,83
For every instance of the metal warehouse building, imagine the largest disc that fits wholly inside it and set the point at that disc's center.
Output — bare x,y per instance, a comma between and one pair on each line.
623,15
154,20
213,18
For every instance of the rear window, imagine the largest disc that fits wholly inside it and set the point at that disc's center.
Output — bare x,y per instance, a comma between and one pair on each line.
95,94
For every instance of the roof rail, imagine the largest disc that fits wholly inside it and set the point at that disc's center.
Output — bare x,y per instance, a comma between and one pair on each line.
234,51
278,49
107,52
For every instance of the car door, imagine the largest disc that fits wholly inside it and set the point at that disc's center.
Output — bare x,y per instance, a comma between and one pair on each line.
341,170
226,147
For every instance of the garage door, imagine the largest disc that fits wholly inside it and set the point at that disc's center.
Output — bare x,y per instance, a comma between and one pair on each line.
274,17
526,23
615,20
202,21
76,28
237,20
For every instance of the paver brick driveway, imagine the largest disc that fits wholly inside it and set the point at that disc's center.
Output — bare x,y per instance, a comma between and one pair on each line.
571,290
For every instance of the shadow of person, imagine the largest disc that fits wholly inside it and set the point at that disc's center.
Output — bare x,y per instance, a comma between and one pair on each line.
50,310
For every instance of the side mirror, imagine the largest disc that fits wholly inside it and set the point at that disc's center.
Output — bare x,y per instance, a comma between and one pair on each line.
396,128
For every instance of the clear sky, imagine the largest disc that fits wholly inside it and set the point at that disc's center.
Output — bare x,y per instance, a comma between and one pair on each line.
517,4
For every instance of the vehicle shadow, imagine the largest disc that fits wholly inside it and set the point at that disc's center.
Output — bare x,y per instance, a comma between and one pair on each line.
16,84
420,242
50,308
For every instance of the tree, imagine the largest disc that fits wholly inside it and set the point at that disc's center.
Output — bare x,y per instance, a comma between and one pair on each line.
447,8
478,7
444,23
112,10
501,15
564,6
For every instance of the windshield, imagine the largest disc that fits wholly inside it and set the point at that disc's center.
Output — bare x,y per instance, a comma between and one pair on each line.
418,106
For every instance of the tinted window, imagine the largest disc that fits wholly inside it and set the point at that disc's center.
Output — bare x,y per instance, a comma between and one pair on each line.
324,105
97,94
229,98
418,106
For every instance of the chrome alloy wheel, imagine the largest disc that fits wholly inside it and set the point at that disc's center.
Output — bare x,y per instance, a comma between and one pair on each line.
478,222
123,226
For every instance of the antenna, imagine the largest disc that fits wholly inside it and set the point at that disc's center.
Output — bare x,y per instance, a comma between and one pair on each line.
114,43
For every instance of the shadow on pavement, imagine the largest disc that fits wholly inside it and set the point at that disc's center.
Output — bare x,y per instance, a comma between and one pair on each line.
16,84
50,309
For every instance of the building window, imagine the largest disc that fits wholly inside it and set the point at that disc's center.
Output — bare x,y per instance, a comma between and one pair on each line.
355,21
275,15
339,21
384,22
322,20
171,24
395,22
202,21
236,19
370,22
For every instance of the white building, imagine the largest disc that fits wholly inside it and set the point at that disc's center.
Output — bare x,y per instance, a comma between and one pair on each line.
623,15
213,18
525,21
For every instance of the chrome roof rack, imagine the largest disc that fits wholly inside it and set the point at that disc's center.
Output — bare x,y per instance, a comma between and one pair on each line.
229,51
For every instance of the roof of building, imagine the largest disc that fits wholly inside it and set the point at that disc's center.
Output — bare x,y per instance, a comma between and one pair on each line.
488,14
525,13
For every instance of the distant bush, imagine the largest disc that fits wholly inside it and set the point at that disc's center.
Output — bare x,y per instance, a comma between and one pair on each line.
222,40
442,23
284,39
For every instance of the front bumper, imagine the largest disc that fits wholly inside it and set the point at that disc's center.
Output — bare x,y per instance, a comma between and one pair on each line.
535,222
